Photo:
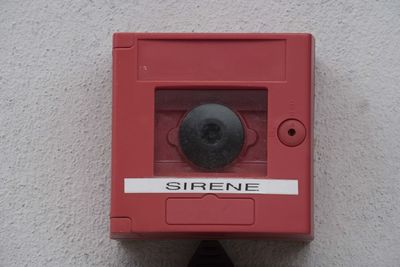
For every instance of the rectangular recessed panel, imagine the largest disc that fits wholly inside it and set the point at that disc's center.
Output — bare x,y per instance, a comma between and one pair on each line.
172,104
210,210
211,60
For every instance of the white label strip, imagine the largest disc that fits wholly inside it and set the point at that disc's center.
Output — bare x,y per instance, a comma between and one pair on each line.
212,185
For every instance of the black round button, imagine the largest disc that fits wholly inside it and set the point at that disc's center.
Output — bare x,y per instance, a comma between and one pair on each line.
211,136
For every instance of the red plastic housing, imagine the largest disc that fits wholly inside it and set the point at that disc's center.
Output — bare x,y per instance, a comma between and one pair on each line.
266,79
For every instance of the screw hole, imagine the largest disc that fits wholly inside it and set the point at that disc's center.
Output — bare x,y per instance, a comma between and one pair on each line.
291,132
211,133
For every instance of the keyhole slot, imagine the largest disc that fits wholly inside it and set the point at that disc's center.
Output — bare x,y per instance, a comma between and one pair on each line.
291,132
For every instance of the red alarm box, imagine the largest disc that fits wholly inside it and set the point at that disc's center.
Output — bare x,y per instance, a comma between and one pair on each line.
212,136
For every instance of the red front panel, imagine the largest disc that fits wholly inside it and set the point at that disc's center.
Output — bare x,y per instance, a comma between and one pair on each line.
266,78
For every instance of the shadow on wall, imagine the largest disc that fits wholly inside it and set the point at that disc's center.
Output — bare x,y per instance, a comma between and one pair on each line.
177,253
267,253
174,253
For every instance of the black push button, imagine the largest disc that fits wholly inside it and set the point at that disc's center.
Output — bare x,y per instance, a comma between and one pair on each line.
211,136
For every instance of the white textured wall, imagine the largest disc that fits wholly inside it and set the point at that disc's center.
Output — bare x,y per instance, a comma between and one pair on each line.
55,127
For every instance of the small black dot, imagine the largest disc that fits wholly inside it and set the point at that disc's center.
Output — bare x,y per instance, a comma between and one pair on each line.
291,132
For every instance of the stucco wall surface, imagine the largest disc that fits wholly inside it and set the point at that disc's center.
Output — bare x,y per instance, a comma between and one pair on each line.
55,129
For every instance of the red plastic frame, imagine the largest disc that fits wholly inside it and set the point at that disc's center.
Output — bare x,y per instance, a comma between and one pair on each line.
281,64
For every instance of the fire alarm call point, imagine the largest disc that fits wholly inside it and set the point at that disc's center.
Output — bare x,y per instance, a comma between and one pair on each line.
212,136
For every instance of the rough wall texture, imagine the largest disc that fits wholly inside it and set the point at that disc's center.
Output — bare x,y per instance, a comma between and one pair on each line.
55,103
